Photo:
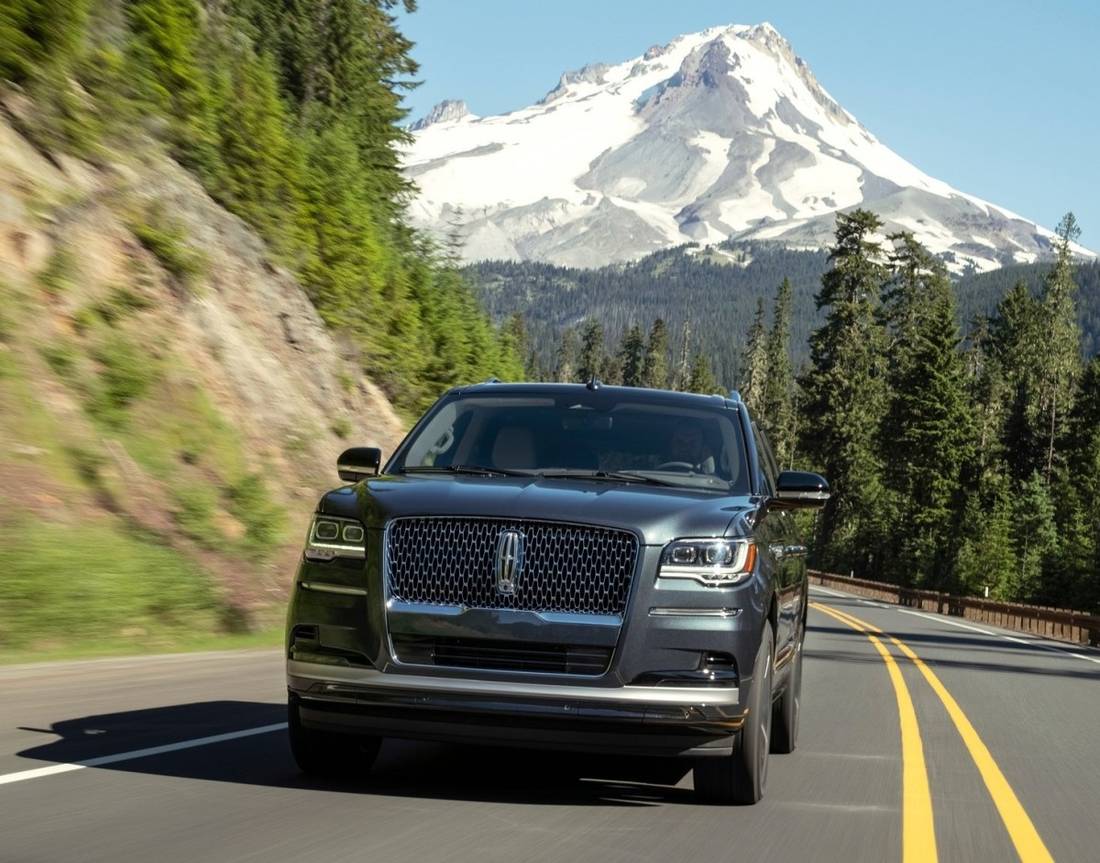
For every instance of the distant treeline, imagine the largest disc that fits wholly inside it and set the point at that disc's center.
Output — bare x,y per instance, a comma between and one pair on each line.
289,113
713,293
716,293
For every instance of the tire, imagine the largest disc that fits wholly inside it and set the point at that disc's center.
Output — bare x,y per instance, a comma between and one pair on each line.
741,778
326,753
788,708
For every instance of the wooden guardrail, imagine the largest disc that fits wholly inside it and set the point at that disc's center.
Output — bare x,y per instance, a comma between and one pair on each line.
1058,623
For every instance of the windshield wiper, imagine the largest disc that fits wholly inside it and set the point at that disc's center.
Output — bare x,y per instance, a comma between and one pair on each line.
606,475
471,469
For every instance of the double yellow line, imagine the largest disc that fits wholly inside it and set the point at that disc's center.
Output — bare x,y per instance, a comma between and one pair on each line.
918,827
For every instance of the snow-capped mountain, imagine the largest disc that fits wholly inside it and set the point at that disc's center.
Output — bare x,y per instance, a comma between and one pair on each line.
719,134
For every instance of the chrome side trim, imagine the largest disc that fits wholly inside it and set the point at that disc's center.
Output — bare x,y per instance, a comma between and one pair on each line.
325,587
587,619
803,495
694,612
373,679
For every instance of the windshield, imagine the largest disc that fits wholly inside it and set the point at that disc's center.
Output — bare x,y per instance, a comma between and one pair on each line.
590,434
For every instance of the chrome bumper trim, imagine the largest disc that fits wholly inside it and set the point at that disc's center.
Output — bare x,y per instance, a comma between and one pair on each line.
374,679
396,606
325,587
694,612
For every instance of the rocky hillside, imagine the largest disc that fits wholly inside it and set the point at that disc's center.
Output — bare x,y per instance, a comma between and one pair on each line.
171,404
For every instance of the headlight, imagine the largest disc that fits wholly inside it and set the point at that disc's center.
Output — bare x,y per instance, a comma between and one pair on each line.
331,537
713,562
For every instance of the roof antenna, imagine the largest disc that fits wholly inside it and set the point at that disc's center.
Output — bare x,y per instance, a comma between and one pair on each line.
735,396
593,383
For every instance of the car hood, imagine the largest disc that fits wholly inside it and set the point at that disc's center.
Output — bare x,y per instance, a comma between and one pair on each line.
658,514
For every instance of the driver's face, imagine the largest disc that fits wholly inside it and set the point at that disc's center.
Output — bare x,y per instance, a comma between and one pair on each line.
687,444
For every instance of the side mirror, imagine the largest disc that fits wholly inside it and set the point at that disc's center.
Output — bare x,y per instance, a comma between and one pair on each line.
796,488
359,462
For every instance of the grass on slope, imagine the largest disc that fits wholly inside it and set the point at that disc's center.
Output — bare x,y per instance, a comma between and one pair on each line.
77,577
88,583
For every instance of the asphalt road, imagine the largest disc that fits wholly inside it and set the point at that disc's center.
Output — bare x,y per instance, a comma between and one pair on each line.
1032,707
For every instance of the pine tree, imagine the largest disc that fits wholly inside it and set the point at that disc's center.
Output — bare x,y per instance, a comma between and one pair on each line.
36,34
565,361
701,377
592,360
1016,345
611,371
682,375
166,70
345,272
986,389
1061,335
1078,499
778,403
655,364
846,397
261,165
1036,536
754,365
927,432
356,63
987,556
632,358
514,332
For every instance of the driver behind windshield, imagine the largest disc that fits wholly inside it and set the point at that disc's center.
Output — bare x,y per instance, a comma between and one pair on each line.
688,446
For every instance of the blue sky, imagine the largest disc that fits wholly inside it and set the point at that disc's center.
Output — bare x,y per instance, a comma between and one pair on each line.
998,98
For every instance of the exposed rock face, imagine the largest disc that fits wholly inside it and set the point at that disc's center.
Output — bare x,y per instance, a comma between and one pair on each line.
719,134
277,395
446,111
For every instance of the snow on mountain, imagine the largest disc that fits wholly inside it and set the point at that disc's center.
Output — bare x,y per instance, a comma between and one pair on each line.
719,134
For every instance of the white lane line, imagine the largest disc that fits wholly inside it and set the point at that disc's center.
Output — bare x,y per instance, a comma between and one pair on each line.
940,618
37,772
1029,642
1055,649
818,587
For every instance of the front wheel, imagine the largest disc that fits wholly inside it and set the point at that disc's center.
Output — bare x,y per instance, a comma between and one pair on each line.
741,778
326,753
788,708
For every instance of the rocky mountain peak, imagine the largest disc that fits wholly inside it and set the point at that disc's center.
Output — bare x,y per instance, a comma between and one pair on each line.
592,73
446,111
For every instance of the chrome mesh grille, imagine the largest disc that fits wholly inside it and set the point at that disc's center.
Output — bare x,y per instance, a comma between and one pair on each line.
567,568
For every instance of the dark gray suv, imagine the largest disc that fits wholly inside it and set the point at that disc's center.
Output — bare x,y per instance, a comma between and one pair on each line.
564,566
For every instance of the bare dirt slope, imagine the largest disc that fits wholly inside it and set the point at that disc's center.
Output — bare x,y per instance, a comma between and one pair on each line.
161,378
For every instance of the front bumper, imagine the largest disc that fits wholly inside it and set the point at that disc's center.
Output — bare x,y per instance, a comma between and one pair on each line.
651,720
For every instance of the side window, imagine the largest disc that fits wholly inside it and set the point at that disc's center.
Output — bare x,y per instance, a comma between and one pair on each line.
766,459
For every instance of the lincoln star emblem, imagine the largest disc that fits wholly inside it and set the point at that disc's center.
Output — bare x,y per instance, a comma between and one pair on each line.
509,560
